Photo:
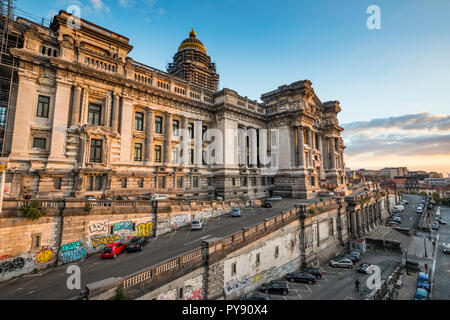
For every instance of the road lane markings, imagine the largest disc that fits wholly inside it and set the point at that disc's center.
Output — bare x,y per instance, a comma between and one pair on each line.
203,238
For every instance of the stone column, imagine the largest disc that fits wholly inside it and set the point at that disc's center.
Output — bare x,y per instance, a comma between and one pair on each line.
310,162
168,142
358,223
253,147
325,156
115,113
149,132
354,224
242,146
333,153
76,105
186,142
198,144
301,147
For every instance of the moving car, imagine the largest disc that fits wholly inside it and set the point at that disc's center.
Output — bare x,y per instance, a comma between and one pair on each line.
421,294
197,224
236,212
156,197
255,296
267,204
441,221
137,244
435,226
315,272
113,249
446,247
341,263
354,258
274,199
275,287
423,281
301,277
365,267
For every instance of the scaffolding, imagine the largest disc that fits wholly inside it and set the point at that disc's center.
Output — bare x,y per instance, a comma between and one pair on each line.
8,39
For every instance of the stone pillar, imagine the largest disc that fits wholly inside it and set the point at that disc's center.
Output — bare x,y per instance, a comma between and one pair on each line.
76,105
310,162
354,224
60,116
186,142
126,130
325,156
115,113
301,147
358,223
253,147
333,153
149,132
168,142
198,144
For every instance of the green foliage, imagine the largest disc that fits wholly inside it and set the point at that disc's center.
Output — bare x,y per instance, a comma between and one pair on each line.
33,210
120,293
436,197
312,210
423,193
87,207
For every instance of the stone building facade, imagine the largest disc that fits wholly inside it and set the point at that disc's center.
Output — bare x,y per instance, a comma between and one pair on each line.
89,120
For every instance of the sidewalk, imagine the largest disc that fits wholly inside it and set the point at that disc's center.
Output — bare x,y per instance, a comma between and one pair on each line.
417,248
408,288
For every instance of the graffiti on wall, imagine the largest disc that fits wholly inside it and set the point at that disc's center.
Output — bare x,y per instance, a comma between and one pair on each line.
169,295
178,221
71,252
45,255
99,227
124,225
203,215
163,227
104,240
192,294
144,229
11,265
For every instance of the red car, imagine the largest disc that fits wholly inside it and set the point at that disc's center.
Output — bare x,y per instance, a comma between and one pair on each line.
113,249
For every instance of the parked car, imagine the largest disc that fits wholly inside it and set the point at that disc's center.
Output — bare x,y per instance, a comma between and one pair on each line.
112,250
137,244
267,204
421,294
315,272
446,247
435,226
255,296
354,258
274,199
398,208
398,219
422,201
236,212
275,287
441,221
398,216
405,202
219,198
364,267
90,198
341,263
301,277
197,224
393,223
423,281
356,253
419,210
121,198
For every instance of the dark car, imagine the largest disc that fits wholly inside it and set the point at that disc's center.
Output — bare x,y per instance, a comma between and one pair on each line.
352,257
121,198
364,267
275,287
255,296
315,272
137,243
267,205
301,277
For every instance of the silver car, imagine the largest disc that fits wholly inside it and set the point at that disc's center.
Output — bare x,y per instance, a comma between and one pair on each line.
341,263
197,224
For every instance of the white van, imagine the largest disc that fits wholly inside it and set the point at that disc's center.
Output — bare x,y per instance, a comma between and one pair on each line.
398,208
160,197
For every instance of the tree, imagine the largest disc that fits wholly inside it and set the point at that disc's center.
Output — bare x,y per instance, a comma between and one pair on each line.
33,210
436,197
120,293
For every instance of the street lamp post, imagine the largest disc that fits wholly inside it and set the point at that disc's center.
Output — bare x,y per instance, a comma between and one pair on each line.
425,246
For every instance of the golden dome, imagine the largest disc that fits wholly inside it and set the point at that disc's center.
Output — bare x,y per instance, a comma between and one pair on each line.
192,42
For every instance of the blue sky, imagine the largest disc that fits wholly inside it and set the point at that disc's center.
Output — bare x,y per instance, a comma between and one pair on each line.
259,45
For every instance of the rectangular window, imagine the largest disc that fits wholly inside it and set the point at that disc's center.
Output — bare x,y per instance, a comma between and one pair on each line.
191,156
39,143
35,241
161,182
195,182
139,121
158,125
233,269
43,106
98,183
157,153
175,157
180,182
204,129
233,181
175,128
258,259
277,252
124,183
141,182
138,152
180,293
57,183
96,151
191,130
254,181
94,114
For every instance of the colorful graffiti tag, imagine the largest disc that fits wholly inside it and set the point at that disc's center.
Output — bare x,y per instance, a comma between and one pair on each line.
71,252
144,229
44,256
101,227
192,294
12,265
104,240
124,225
178,221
